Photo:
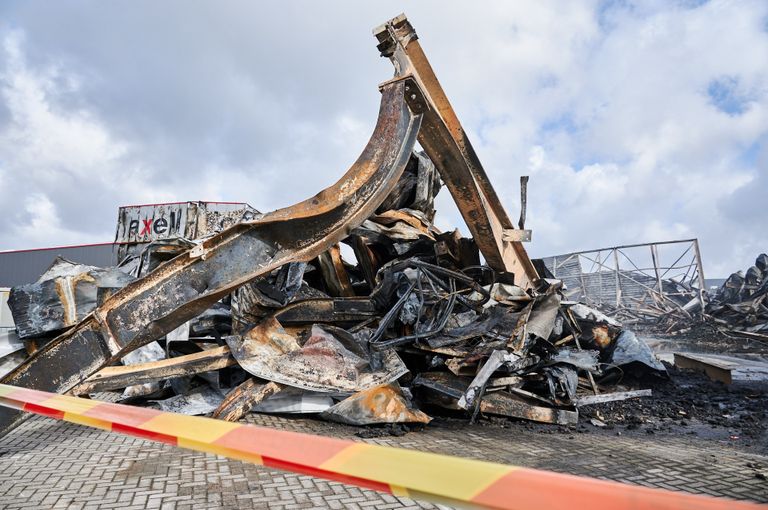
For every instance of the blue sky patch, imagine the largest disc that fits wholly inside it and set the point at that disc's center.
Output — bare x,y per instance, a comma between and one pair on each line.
724,94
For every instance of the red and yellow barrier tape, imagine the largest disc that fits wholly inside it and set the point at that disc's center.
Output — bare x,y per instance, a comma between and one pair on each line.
414,474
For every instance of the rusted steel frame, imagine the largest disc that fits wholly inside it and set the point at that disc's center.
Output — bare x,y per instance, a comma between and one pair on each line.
192,282
447,145
112,378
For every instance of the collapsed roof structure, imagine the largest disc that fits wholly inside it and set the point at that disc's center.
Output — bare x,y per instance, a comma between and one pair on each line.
265,314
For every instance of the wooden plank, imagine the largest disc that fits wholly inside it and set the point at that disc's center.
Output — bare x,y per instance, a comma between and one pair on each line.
611,397
112,378
715,369
242,399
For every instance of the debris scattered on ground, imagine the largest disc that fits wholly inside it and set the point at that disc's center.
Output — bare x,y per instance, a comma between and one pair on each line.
416,322
352,305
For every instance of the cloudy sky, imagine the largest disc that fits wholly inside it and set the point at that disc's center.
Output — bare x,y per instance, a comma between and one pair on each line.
637,121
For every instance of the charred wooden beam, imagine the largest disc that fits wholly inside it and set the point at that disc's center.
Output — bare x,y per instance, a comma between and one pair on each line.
112,378
242,399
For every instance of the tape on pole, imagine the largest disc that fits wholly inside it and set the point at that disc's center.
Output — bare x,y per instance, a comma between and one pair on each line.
443,479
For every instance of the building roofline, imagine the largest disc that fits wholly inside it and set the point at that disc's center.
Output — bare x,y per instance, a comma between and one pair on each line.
58,247
185,202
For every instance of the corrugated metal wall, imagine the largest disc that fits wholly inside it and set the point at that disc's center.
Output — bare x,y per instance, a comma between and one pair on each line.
20,267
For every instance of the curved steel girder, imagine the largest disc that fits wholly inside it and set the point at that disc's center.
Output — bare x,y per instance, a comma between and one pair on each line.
184,287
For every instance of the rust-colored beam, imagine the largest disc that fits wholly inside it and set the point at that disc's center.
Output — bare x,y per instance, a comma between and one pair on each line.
447,145
189,284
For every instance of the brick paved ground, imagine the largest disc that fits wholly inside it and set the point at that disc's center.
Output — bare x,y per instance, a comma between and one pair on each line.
49,464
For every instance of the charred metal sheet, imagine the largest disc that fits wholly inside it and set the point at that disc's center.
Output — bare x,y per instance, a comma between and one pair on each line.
61,297
112,378
144,354
190,220
416,189
382,404
242,399
329,361
295,401
201,400
514,406
444,389
452,250
145,258
477,387
334,273
182,288
260,298
328,311
447,145
541,322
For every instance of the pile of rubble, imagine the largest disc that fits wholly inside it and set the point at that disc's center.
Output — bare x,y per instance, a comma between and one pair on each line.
264,314
737,309
673,311
740,306
416,324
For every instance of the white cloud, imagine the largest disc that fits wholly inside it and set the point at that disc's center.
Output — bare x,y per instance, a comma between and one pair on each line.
636,122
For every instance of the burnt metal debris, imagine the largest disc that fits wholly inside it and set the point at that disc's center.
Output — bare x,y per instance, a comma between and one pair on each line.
351,305
740,305
661,287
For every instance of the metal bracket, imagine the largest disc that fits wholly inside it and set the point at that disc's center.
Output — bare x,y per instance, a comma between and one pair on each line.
514,235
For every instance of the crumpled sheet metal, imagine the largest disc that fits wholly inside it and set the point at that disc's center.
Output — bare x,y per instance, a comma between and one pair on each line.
583,312
631,349
201,400
445,390
541,322
402,225
585,360
382,404
61,297
510,295
144,354
322,364
295,401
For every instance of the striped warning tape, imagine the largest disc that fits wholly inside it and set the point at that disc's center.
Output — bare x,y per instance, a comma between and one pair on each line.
439,478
